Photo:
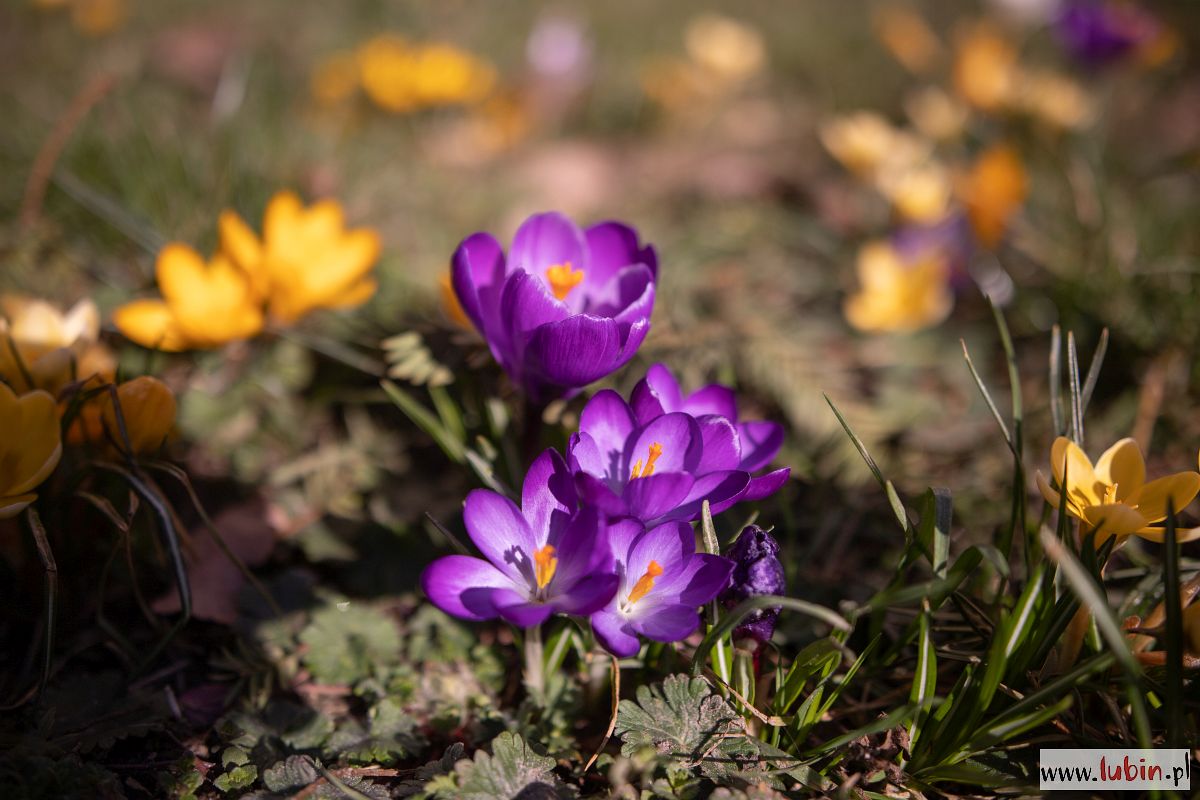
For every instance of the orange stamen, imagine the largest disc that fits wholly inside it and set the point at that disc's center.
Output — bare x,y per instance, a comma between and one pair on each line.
544,565
562,279
645,583
656,450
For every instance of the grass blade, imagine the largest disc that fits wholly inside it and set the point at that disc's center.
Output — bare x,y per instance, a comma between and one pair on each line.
730,620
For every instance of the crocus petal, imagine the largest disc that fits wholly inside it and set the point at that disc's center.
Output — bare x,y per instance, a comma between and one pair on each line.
611,247
652,497
668,545
765,485
33,450
615,633
1113,519
1051,494
722,450
501,533
666,622
625,297
151,324
545,240
526,304
464,586
1082,484
581,549
679,437
1179,489
477,271
712,399
574,352
595,492
704,577
608,421
1122,466
11,506
1157,534
721,489
656,394
760,441
587,595
621,536
517,608
548,494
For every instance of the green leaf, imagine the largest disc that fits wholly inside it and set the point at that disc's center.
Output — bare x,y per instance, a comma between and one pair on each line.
347,641
290,775
511,769
390,736
237,778
924,682
934,531
685,724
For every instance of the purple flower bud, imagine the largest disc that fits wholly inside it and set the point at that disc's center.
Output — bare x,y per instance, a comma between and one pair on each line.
1098,33
756,571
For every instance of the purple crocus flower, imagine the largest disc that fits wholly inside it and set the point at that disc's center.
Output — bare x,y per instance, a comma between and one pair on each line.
542,558
657,472
756,572
565,307
757,442
663,581
1098,33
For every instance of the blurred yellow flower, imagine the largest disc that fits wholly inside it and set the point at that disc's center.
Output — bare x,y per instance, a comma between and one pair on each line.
30,447
450,305
865,143
401,77
93,17
306,258
334,79
1054,99
992,192
936,114
1113,498
986,72
727,49
919,192
42,347
898,296
203,305
907,37
147,408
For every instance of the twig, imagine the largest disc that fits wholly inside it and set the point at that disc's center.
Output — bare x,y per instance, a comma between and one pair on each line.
612,722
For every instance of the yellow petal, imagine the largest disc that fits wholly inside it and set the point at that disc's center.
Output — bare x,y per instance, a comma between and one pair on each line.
1113,519
1180,489
11,506
82,322
356,295
1082,485
1122,466
1158,534
181,273
281,219
243,248
1051,494
151,324
30,441
148,408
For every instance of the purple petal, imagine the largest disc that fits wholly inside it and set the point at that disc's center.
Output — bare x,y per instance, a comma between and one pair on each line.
595,492
575,351
477,271
587,595
608,421
615,633
651,497
545,240
527,304
517,608
614,245
712,399
721,489
548,494
721,448
679,436
621,536
669,544
501,533
656,394
581,548
632,287
703,578
760,442
765,485
666,622
464,586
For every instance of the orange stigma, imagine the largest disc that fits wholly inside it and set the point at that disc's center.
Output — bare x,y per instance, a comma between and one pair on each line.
544,565
645,583
638,471
562,279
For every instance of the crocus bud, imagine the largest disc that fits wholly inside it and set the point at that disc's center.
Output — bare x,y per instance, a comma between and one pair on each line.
757,571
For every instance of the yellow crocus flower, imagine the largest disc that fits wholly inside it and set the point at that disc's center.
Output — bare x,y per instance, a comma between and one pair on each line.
1112,498
30,447
898,297
42,347
203,305
986,71
148,410
306,258
908,37
866,143
728,50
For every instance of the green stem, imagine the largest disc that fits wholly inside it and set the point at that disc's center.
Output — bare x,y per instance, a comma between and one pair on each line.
535,677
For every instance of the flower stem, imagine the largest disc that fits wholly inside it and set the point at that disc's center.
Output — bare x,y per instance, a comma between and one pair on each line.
535,678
